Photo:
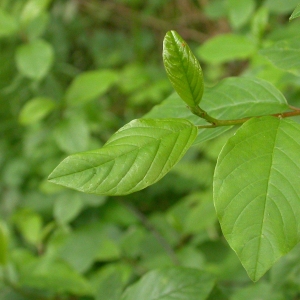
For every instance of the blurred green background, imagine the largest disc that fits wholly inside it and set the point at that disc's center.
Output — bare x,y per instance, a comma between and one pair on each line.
71,74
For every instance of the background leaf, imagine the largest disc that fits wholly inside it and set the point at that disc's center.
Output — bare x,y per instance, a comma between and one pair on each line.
35,59
89,85
174,283
8,25
232,98
256,192
183,69
233,47
136,156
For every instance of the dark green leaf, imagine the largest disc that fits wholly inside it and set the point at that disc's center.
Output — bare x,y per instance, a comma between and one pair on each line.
136,156
183,69
174,283
257,191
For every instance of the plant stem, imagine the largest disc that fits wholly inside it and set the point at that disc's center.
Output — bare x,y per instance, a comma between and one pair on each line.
217,123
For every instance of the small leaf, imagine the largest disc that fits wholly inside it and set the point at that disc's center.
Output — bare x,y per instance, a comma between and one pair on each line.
233,46
173,283
257,191
136,156
35,110
89,85
240,11
231,98
183,69
296,13
285,55
35,59
8,25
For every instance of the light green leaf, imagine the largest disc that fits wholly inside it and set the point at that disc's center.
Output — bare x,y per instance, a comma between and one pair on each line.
234,47
35,59
72,134
240,11
90,85
35,110
33,9
8,25
257,191
232,98
296,13
174,283
136,156
281,6
183,69
3,243
285,55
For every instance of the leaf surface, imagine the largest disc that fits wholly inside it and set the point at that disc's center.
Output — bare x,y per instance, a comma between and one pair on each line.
174,283
257,192
183,69
296,13
136,156
232,98
285,55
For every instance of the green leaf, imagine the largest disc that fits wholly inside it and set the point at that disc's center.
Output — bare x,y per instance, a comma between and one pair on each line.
136,156
33,9
35,110
285,55
90,85
183,69
234,47
281,6
35,59
296,13
3,243
257,191
240,11
8,25
174,283
232,98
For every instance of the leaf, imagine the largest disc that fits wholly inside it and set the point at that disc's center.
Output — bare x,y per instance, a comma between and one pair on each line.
90,85
240,11
285,55
136,156
35,110
8,25
281,6
256,192
173,283
234,47
35,59
296,13
183,69
3,244
232,98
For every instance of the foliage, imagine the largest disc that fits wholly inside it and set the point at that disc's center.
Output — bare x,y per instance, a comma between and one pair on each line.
74,72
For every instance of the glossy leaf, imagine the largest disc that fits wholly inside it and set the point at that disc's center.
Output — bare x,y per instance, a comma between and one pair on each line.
35,110
89,85
285,55
296,13
174,283
257,192
35,59
136,156
183,69
232,98
234,47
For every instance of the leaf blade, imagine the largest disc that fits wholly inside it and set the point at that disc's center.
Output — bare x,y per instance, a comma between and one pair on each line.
256,202
296,13
183,69
136,156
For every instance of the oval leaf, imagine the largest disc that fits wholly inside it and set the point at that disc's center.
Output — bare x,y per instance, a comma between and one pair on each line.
35,59
174,283
89,85
257,192
136,156
183,69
